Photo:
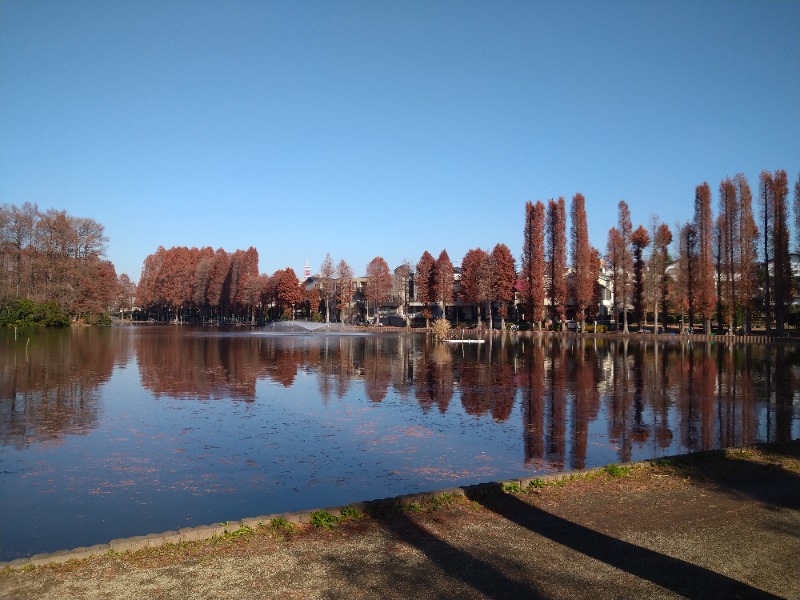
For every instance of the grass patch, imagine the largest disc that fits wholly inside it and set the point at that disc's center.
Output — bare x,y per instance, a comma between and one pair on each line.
617,470
323,519
348,513
511,487
442,500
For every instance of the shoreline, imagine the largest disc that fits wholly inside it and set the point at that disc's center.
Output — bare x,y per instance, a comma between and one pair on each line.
399,503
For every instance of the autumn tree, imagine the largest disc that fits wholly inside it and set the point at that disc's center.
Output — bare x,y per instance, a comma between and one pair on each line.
476,280
423,284
287,293
728,245
782,272
533,262
625,231
556,235
504,276
659,260
747,251
704,288
583,278
379,283
640,239
443,282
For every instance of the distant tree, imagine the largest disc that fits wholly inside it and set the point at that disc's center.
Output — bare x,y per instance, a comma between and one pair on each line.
659,260
640,239
127,293
596,266
625,232
402,279
504,276
379,283
556,235
780,249
747,251
344,289
614,257
476,280
729,245
797,211
443,282
767,208
706,296
328,288
533,262
583,277
287,292
423,284
684,290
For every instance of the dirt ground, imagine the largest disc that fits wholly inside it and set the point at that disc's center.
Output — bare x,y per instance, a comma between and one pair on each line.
716,525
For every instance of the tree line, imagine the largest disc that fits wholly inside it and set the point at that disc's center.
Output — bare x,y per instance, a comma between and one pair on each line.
735,268
52,268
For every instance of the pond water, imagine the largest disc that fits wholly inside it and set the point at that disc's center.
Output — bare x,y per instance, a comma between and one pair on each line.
107,433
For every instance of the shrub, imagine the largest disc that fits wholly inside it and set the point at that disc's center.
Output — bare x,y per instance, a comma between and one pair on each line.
323,519
441,329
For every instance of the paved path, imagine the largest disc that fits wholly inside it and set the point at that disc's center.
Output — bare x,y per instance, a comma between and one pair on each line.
722,527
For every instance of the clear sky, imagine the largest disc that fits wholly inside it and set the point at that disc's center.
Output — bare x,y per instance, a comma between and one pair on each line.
385,128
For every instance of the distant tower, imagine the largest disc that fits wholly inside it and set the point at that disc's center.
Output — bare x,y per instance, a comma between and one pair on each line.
307,270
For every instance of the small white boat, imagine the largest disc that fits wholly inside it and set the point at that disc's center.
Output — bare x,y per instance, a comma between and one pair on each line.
464,341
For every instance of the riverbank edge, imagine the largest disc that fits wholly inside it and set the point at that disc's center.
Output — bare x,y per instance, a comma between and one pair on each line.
206,532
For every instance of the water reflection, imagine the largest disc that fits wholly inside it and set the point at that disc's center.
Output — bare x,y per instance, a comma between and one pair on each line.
170,426
49,381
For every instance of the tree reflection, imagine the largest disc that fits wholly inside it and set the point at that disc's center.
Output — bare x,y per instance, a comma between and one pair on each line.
49,382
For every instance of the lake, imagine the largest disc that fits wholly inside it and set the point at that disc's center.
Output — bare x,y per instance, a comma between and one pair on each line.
108,433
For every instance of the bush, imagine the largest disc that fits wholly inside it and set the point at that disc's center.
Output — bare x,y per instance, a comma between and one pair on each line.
441,329
20,313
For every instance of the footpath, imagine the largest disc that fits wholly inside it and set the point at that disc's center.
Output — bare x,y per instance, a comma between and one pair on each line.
711,525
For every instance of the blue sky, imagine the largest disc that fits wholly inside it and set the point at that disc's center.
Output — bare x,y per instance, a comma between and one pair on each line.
384,128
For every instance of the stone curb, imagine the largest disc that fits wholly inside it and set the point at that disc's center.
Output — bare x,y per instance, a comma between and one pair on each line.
205,532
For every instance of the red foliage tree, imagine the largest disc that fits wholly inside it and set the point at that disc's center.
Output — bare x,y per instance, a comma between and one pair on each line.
443,282
423,284
658,263
705,292
557,257
533,262
379,283
728,246
583,277
475,279
504,276
748,252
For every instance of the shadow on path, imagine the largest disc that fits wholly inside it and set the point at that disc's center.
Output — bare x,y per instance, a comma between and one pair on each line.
456,563
679,576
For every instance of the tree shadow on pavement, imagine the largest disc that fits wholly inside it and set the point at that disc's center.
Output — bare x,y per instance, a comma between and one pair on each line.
679,576
769,483
454,562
